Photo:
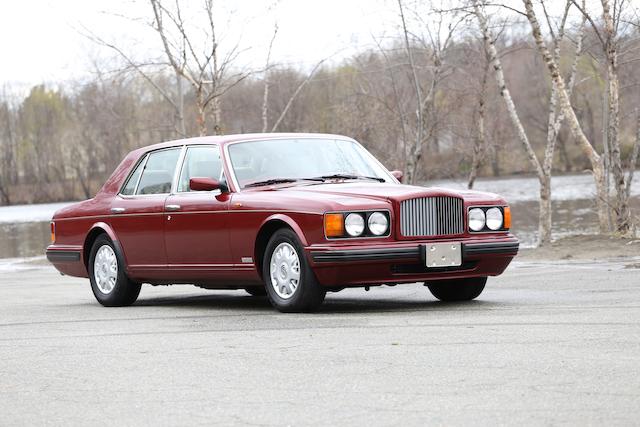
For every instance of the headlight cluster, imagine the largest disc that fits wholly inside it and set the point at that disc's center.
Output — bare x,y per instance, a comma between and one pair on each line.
356,224
489,218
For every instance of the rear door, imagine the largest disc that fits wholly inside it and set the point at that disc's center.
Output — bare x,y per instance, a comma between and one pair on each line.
137,213
196,234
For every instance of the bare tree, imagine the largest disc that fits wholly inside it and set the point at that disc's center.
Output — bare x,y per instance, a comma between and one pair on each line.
634,154
597,165
436,43
7,143
267,83
543,170
142,69
208,73
609,39
295,94
479,141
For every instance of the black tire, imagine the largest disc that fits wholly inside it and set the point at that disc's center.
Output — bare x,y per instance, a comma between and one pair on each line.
458,289
125,291
309,294
256,291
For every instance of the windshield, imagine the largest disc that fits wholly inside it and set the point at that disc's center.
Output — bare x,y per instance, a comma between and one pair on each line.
298,159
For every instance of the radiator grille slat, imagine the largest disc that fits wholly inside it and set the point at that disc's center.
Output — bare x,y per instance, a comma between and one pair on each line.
431,216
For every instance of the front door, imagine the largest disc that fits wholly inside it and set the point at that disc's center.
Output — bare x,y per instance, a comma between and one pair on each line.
196,235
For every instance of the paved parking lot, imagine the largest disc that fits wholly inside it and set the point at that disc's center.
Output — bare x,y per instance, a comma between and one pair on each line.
545,344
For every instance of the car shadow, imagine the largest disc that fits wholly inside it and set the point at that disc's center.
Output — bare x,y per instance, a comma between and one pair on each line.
335,303
219,301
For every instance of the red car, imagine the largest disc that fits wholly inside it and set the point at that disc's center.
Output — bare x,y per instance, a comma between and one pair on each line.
292,216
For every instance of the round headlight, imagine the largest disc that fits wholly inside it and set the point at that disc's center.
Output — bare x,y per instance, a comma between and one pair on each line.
476,219
494,219
354,224
378,223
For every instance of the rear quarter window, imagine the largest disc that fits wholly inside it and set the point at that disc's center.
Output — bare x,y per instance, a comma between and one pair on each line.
130,187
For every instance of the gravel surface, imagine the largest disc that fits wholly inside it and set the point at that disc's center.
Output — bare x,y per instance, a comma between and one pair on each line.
546,343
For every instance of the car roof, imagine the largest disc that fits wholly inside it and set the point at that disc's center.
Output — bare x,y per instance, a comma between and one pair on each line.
226,139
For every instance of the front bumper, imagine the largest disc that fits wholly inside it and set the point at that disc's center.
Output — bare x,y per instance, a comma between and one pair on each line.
402,262
389,254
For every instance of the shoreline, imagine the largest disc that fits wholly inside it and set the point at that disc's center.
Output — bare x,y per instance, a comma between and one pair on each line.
584,247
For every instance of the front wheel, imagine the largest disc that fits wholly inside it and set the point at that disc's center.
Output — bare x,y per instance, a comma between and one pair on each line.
291,285
109,282
457,289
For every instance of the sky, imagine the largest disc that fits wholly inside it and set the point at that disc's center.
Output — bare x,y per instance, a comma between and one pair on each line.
45,41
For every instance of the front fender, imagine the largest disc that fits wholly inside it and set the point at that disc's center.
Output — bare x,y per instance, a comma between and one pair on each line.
291,223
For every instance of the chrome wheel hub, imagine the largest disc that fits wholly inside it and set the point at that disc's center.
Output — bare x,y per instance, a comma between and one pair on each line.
285,270
105,269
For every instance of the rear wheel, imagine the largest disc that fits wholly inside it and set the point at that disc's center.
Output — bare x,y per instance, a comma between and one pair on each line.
109,282
458,289
290,284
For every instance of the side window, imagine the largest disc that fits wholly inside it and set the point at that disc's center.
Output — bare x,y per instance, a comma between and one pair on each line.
200,162
158,172
130,186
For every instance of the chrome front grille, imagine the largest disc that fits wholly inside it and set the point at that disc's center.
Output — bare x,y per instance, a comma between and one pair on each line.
431,216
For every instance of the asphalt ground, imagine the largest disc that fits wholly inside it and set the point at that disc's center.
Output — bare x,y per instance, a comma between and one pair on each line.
545,344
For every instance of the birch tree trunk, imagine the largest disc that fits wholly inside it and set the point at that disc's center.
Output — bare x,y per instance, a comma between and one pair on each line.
556,117
565,103
201,118
480,143
544,218
634,154
180,127
622,210
267,83
415,151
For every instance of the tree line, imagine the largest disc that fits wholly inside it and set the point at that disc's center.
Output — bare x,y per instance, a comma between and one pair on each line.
467,90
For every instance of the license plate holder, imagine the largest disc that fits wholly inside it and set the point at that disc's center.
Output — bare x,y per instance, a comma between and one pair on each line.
443,254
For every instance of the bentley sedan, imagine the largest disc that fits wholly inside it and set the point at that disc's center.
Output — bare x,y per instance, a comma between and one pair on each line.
289,216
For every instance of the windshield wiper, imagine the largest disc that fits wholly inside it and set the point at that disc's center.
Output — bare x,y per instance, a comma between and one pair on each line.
347,176
279,181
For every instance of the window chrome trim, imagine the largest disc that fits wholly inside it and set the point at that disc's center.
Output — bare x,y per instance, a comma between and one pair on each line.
178,170
232,171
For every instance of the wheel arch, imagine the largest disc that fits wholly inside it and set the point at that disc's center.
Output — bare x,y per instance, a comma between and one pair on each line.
269,226
96,230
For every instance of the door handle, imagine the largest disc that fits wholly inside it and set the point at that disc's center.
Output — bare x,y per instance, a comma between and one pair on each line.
117,210
172,208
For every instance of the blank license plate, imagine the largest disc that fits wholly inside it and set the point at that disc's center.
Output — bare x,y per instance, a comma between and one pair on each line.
443,254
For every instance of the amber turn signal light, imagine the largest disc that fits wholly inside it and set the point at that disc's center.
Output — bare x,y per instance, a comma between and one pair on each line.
53,232
507,218
334,225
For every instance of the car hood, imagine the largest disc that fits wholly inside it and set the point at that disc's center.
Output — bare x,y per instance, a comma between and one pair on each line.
342,193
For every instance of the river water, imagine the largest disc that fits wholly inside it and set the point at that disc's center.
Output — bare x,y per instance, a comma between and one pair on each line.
24,230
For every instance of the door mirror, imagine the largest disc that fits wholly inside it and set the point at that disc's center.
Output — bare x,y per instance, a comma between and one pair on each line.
397,175
207,184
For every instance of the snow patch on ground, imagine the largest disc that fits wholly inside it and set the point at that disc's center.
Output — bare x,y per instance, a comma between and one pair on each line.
20,264
30,213
526,188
